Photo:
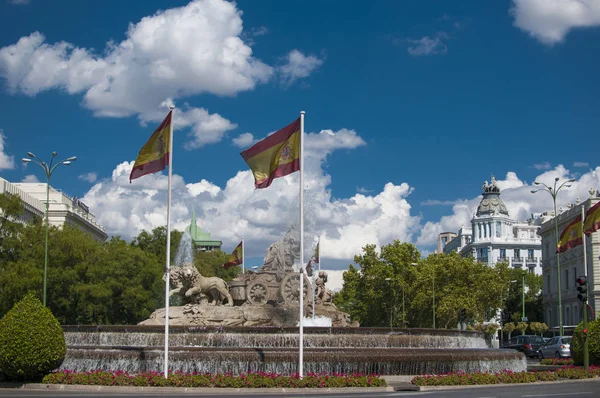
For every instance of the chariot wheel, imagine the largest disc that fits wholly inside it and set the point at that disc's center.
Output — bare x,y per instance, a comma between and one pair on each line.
257,293
290,286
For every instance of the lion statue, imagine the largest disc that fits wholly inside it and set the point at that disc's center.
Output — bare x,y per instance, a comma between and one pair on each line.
186,281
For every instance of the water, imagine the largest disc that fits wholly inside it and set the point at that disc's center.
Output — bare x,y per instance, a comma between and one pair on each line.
271,349
185,252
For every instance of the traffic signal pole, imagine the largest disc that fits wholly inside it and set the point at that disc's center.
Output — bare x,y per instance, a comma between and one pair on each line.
583,297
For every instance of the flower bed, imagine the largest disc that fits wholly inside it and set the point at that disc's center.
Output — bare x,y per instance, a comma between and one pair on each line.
465,379
179,379
557,361
578,372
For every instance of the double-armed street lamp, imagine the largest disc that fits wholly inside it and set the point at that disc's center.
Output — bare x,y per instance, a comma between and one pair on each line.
48,169
553,191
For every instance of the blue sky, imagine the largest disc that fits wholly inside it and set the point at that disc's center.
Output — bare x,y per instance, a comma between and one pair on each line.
410,106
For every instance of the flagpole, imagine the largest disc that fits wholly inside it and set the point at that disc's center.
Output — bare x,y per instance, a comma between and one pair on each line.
301,286
586,358
243,257
168,262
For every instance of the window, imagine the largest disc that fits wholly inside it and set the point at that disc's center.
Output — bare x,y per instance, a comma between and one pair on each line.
530,254
485,230
479,230
517,253
498,229
566,285
503,253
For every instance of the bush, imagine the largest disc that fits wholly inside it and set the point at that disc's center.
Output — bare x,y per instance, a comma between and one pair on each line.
32,343
478,378
556,361
593,343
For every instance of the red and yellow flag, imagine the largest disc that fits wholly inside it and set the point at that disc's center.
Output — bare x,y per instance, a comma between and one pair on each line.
276,156
316,255
235,258
571,236
592,219
154,155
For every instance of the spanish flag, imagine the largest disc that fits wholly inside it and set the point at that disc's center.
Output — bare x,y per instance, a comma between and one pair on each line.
592,219
235,258
154,155
276,156
571,236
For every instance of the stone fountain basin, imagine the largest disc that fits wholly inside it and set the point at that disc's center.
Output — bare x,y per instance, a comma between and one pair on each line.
275,349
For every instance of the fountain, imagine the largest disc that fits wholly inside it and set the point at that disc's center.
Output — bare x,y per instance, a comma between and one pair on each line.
275,349
259,332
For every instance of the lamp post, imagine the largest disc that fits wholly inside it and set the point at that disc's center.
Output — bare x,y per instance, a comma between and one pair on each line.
48,169
553,191
523,319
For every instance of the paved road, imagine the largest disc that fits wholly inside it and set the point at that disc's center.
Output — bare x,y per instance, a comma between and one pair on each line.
579,389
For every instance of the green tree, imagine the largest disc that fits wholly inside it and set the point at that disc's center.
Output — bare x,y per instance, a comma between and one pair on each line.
521,327
11,210
155,242
508,327
538,328
371,299
211,264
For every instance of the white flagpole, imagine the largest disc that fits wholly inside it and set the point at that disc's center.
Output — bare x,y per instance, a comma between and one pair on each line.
320,250
243,257
301,286
313,289
168,263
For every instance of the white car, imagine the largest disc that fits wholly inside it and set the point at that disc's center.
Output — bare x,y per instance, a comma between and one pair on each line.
556,347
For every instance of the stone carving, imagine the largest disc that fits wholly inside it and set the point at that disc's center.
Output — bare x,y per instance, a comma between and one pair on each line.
189,283
280,256
267,297
322,294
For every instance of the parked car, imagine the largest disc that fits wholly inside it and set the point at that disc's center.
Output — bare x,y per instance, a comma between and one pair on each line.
527,344
557,347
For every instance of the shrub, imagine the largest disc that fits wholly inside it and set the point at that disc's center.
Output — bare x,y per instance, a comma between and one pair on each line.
573,372
557,361
32,342
477,378
593,343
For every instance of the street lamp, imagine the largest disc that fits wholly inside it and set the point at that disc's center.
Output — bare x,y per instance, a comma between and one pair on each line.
523,319
553,191
48,169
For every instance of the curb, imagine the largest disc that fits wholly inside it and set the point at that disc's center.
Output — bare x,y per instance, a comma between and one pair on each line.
194,390
565,381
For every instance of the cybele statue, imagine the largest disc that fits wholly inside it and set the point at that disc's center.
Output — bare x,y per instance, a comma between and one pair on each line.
266,297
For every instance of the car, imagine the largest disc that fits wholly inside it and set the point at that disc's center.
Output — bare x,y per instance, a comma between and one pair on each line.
557,347
527,344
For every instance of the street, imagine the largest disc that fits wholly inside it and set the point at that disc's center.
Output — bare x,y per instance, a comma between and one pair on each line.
584,388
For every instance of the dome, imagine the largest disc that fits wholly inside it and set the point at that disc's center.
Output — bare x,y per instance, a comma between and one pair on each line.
491,202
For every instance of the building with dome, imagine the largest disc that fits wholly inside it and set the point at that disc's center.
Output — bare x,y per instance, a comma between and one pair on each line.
494,237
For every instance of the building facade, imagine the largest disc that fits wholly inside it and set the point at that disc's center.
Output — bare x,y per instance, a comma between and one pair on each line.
571,267
201,239
494,237
62,209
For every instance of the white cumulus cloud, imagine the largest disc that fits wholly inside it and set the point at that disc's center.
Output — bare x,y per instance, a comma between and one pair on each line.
89,177
298,66
173,54
6,161
245,140
237,210
550,21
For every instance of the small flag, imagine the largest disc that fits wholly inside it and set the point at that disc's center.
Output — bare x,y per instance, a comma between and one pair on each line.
154,155
276,156
592,219
235,258
571,236
316,255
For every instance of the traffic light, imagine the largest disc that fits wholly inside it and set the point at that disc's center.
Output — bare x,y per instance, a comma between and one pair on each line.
582,288
462,315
